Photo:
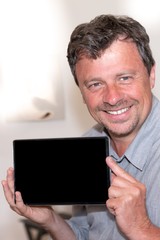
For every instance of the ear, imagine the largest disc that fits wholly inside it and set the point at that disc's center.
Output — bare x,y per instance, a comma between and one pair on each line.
152,76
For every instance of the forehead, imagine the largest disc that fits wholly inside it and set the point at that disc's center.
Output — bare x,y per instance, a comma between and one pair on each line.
120,55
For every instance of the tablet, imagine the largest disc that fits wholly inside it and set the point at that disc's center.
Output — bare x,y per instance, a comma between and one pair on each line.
61,171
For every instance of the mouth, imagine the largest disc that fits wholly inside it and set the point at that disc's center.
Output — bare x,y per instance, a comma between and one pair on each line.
118,112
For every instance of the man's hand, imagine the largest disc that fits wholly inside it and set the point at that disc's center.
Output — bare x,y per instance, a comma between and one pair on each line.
40,215
127,201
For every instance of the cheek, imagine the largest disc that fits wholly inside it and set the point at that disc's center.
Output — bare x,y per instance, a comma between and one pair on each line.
90,101
139,91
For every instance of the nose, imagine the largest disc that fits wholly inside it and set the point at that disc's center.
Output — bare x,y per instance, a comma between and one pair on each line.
112,94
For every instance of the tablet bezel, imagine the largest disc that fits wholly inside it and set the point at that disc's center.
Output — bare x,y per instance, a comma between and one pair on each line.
39,188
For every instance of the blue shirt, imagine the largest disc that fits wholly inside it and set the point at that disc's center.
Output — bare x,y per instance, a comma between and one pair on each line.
142,161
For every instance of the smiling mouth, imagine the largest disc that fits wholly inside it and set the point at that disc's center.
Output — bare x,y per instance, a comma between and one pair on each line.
118,112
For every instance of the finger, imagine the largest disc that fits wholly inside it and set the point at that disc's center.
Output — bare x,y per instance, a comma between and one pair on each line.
10,178
10,197
19,204
111,205
118,171
14,200
7,192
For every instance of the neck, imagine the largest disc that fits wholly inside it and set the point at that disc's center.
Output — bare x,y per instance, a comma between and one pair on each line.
120,144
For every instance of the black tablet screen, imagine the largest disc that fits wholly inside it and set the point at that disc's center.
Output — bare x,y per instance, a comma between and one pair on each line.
61,170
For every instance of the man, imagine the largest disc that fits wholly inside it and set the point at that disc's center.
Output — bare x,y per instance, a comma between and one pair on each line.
112,65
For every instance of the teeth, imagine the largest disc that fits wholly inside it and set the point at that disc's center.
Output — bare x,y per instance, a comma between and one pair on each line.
118,112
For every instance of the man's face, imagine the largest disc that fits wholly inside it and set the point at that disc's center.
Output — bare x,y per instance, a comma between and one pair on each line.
117,88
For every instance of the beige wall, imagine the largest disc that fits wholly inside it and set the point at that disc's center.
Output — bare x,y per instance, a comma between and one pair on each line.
76,118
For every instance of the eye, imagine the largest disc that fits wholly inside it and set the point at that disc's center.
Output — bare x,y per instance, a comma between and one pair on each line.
93,86
125,78
96,84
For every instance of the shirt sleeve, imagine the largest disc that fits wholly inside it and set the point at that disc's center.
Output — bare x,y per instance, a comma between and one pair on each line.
78,223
